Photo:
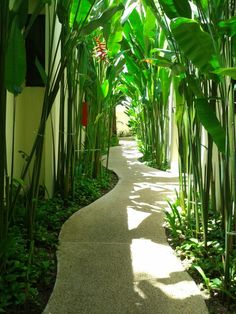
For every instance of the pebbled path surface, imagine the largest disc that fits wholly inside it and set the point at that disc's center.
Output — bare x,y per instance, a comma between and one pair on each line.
113,256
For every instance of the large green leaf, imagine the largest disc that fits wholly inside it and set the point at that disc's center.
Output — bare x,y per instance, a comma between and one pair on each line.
210,122
179,100
102,21
196,44
105,88
149,24
113,33
176,8
226,72
15,60
135,71
165,80
80,11
137,27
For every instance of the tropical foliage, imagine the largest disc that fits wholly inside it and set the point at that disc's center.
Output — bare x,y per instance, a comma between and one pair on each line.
173,62
201,56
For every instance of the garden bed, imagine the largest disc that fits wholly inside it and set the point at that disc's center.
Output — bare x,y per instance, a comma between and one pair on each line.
30,273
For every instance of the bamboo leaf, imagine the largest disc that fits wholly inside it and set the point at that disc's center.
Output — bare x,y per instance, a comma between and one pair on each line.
15,60
198,47
210,122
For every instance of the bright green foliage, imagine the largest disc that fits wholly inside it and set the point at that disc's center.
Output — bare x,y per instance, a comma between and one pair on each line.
198,48
148,84
80,11
175,8
202,262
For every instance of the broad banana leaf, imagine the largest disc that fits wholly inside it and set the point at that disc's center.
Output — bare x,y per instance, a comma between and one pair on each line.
15,66
210,122
195,43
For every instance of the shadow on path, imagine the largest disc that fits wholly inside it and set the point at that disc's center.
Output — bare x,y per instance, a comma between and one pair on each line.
113,255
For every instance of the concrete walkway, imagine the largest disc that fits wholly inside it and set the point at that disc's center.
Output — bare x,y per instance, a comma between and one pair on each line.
113,256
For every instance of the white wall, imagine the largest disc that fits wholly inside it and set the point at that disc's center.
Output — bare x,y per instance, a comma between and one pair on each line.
122,121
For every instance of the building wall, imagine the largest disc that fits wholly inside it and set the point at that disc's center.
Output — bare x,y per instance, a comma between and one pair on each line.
27,117
122,121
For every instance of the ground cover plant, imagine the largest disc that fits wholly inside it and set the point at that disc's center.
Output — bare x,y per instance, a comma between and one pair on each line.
204,264
29,276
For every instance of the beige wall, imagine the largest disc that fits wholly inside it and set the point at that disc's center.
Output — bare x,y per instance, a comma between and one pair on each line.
28,114
122,121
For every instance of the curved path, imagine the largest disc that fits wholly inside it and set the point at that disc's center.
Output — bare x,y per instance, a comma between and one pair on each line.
113,256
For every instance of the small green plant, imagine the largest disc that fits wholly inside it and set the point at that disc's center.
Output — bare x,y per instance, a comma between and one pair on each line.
204,262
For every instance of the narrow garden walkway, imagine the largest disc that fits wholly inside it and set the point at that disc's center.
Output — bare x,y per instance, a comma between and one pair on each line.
114,257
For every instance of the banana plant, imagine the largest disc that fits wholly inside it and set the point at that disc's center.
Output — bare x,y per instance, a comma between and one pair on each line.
149,74
81,76
205,100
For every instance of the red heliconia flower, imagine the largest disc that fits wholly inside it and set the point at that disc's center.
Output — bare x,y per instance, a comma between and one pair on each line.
84,116
100,50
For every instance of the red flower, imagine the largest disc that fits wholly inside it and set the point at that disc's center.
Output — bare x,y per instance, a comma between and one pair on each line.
84,116
100,50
